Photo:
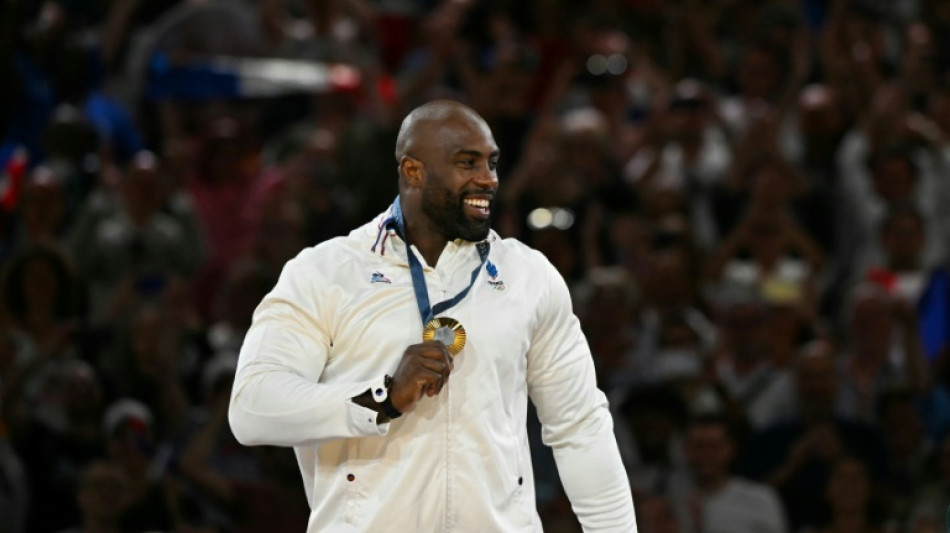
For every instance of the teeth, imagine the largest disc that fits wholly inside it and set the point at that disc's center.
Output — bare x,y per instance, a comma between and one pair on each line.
477,202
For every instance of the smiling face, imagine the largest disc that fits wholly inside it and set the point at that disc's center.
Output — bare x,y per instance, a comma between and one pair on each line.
460,187
451,163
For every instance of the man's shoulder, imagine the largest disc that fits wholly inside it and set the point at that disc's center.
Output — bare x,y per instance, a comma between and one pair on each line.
336,251
512,249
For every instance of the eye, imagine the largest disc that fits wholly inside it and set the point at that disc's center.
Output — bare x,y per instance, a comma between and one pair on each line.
467,163
492,164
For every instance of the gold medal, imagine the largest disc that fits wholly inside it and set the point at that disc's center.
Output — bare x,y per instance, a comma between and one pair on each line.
448,330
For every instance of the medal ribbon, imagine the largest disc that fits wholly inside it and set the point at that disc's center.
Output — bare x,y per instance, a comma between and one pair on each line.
418,275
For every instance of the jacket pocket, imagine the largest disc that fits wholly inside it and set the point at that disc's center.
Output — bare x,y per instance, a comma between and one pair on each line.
353,483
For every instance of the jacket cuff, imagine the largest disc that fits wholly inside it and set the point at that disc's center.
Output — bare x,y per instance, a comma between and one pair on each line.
362,419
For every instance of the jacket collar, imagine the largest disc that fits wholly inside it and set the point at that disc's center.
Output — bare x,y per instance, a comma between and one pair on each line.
383,241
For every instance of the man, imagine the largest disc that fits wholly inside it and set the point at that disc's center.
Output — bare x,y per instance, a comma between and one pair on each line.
796,454
709,498
334,366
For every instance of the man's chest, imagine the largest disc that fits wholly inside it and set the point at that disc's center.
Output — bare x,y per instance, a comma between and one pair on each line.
380,316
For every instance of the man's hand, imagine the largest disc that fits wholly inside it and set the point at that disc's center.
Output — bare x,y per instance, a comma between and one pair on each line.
424,369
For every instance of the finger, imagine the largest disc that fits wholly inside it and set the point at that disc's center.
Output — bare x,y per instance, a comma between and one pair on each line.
429,381
445,364
442,357
426,387
437,350
433,350
449,360
434,388
436,366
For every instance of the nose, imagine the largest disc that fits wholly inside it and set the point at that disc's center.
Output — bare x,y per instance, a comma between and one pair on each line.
487,178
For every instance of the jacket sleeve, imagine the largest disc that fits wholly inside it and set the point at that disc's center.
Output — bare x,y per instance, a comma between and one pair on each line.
574,415
277,398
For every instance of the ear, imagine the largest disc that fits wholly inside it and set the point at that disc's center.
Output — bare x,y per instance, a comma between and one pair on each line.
412,170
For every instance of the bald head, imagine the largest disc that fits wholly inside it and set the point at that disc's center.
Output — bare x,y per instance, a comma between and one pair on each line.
426,125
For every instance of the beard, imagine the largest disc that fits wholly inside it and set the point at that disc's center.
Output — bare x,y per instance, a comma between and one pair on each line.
448,211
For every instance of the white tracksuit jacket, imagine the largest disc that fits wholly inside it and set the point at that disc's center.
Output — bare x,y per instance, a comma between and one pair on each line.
338,321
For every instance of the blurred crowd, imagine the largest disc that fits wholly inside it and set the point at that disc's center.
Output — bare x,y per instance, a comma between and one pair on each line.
748,199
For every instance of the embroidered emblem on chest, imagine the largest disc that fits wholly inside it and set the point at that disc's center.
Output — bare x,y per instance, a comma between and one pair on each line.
378,277
494,282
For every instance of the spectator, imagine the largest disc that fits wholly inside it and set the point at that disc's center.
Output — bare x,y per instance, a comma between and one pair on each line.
902,237
148,367
649,424
244,286
102,493
227,188
655,515
57,440
850,499
44,210
75,84
909,450
768,252
759,78
675,335
919,69
73,146
607,317
307,172
884,164
820,124
129,254
629,243
709,498
903,274
742,363
688,151
260,503
131,442
882,350
796,454
42,299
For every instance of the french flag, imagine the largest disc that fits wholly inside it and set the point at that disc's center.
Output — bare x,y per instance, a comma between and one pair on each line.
226,77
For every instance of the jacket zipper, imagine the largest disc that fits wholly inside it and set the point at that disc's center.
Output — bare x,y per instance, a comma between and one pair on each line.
446,447
448,460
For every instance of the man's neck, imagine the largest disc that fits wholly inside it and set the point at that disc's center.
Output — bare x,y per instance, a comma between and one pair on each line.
429,244
426,236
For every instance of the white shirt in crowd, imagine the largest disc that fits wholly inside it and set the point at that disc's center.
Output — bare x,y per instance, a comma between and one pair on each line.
740,506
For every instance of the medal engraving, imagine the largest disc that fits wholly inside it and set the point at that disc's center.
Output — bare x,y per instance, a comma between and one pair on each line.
445,335
448,331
